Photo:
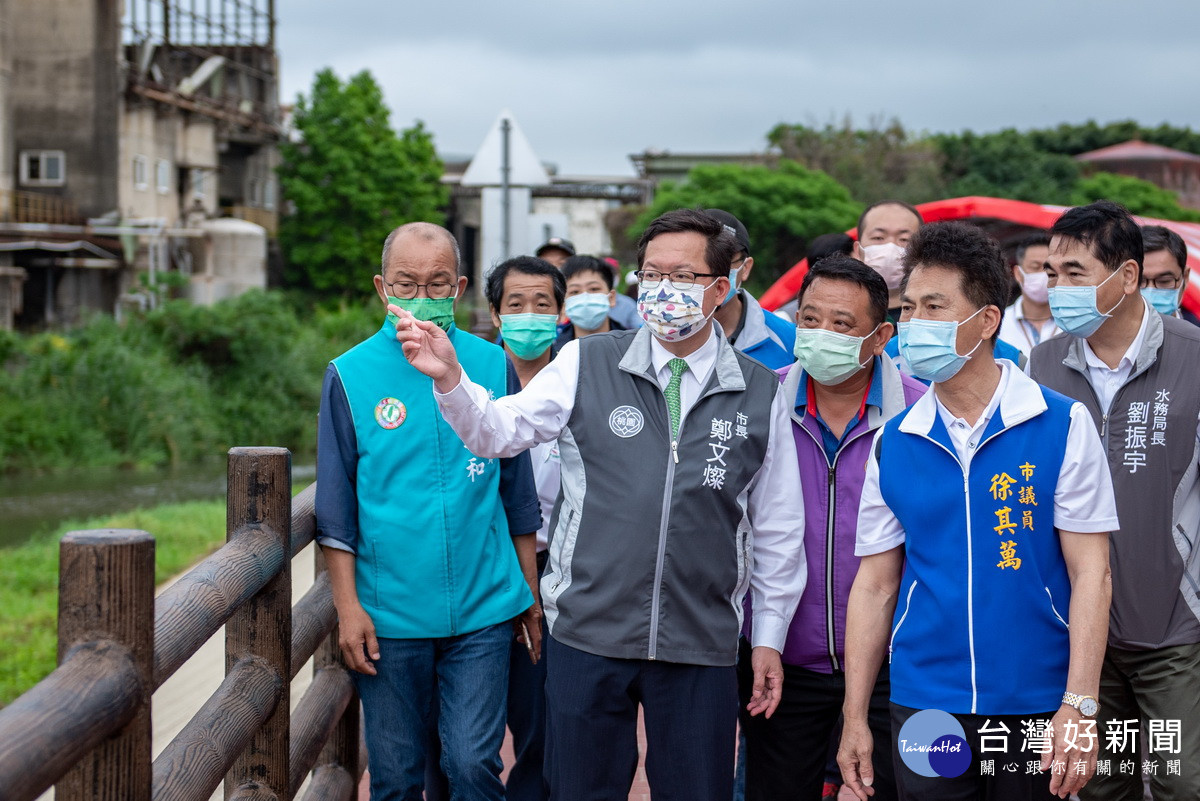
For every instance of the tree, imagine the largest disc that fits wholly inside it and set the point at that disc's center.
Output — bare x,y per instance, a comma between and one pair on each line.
881,162
781,208
1005,164
349,180
1140,197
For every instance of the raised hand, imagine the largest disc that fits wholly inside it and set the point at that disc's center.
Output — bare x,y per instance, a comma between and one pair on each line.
428,349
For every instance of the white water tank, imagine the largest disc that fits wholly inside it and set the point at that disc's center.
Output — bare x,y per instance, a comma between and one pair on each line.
236,260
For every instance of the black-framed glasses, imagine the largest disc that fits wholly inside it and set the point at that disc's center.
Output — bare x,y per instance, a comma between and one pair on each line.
434,290
680,279
1164,281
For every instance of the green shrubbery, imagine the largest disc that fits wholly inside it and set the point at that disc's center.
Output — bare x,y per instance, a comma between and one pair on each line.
174,385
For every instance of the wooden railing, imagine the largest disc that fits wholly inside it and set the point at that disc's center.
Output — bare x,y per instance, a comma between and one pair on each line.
86,728
35,207
267,219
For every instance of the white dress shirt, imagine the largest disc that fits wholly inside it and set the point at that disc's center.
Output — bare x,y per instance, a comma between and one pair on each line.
1107,380
1083,497
1022,333
538,413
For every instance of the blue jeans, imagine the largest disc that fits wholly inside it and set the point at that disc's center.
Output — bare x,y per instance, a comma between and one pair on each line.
469,674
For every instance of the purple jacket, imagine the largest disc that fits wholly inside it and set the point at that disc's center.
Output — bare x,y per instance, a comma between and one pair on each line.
817,637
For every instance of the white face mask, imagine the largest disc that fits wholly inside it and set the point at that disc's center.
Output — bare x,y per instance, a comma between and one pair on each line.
673,314
1036,286
887,260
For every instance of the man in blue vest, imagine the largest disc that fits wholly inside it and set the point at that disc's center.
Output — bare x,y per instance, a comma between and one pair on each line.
680,491
982,531
431,550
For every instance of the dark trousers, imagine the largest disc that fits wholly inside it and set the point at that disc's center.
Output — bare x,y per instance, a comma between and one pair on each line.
527,719
1015,784
690,715
786,754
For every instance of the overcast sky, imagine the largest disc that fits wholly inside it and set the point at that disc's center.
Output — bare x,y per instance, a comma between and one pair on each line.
592,82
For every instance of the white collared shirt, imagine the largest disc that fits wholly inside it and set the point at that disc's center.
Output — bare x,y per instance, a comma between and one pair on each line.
1107,380
774,506
1083,496
963,435
1022,333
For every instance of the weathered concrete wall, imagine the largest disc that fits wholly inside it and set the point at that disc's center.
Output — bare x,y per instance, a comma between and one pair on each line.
66,92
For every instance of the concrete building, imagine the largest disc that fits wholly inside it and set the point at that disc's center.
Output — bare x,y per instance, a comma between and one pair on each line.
132,125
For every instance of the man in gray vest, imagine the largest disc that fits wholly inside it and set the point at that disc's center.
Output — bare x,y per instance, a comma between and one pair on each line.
1135,371
680,490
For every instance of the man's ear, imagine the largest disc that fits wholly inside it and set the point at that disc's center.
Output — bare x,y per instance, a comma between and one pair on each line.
379,290
462,286
745,270
495,317
612,297
882,337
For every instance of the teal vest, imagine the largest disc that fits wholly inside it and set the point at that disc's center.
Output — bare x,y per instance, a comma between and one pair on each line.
435,558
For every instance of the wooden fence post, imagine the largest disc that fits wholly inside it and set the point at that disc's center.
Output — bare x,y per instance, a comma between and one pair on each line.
260,494
343,747
106,592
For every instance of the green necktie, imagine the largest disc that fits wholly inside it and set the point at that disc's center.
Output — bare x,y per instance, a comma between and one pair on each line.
678,368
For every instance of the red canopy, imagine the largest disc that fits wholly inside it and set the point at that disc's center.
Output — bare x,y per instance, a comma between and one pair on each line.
1007,220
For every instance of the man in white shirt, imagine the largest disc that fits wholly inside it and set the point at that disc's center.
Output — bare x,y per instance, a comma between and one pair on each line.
1028,320
982,533
680,489
1135,371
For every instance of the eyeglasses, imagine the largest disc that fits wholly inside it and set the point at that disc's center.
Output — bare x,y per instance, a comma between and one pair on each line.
680,279
435,290
1164,281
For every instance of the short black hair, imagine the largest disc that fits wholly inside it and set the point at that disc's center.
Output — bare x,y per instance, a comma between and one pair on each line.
1036,239
828,245
844,268
862,218
1159,237
968,251
530,265
722,246
583,264
1108,230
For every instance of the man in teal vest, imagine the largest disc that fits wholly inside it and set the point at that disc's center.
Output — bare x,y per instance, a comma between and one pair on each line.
431,550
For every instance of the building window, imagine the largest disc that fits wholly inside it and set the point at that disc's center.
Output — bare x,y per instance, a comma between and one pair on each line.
197,178
140,180
43,168
255,192
269,194
162,176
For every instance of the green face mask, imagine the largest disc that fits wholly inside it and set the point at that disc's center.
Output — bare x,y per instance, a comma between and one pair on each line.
528,335
439,311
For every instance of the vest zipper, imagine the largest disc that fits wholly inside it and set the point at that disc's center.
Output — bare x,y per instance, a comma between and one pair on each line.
830,636
664,521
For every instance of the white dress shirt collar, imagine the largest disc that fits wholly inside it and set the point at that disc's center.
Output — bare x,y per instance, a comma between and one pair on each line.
1131,353
700,361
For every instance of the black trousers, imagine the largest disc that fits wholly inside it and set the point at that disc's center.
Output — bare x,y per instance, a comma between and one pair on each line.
690,714
1012,781
786,754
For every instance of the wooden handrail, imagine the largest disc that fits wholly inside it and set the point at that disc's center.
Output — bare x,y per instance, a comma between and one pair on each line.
87,725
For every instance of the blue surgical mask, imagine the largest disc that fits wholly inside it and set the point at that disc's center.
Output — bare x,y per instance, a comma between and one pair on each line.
588,310
1074,308
1165,301
733,284
929,347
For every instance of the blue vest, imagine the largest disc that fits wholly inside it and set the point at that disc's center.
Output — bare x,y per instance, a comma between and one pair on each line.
981,619
434,555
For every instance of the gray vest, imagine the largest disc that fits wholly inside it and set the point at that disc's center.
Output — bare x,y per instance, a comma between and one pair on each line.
650,548
1149,433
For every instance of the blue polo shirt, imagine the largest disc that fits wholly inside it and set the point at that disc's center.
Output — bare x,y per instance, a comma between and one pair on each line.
830,441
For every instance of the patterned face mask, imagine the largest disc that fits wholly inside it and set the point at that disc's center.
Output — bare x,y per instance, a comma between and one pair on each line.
673,314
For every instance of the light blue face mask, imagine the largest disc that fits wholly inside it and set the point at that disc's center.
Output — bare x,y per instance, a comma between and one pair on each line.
929,347
733,284
1164,301
588,309
1074,308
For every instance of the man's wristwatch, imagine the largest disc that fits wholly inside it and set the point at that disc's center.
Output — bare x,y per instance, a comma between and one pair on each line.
1086,704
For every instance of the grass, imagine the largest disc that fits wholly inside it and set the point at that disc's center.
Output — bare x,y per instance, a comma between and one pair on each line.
183,532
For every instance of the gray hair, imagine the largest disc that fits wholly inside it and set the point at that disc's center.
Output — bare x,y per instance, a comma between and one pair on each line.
428,232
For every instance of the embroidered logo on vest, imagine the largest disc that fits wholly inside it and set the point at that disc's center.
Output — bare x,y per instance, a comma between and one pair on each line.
626,421
390,413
